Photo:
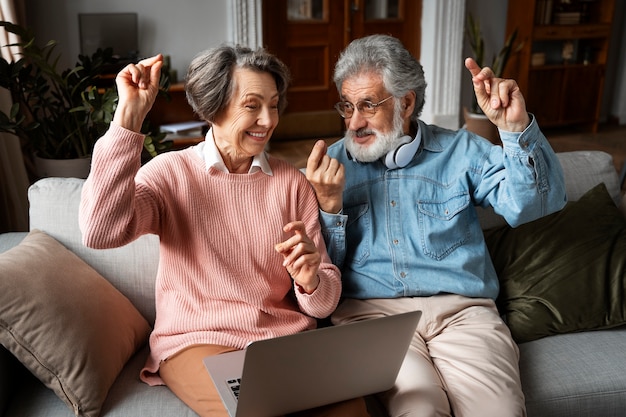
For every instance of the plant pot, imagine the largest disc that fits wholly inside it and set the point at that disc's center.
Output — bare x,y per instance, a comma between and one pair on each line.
482,126
75,168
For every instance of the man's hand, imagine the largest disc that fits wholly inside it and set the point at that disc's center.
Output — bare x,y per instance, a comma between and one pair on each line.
137,86
500,99
302,258
327,176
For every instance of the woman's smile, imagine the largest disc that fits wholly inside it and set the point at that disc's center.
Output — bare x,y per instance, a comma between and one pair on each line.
261,136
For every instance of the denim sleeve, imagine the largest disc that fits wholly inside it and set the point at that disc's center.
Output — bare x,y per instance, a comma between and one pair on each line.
334,232
523,180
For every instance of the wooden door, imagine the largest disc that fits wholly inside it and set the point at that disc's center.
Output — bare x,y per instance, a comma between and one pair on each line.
399,18
308,35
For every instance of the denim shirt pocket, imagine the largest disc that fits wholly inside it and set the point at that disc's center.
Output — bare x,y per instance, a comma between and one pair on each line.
444,224
358,233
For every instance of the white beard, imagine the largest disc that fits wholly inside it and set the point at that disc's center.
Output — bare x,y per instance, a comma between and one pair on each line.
383,143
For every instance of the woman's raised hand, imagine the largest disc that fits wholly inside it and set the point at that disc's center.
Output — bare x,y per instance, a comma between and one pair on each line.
137,87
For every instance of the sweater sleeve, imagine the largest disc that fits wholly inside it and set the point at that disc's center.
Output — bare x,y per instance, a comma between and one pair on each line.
114,209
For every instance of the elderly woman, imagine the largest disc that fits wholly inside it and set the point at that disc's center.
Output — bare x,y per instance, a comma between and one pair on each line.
242,257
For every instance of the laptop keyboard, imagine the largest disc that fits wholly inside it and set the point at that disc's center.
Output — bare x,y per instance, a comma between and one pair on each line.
234,385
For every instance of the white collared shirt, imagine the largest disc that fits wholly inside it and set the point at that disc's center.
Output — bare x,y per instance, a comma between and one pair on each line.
212,158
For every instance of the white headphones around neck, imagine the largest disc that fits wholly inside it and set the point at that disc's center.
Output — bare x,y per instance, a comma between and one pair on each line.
404,153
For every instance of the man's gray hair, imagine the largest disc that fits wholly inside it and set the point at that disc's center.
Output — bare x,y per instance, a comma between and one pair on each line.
384,55
209,81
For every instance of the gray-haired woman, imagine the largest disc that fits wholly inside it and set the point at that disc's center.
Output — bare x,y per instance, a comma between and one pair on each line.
241,253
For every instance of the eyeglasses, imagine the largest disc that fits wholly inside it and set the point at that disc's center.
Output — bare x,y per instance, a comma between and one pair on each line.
365,107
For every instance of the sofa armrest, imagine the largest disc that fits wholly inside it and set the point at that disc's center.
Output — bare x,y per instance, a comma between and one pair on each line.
11,239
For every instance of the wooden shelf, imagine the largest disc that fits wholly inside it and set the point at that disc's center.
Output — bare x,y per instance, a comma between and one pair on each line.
563,90
174,110
565,32
563,67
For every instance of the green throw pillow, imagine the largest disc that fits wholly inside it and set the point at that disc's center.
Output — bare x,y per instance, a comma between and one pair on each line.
564,272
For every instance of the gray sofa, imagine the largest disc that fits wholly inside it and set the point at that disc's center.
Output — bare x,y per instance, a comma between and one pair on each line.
576,374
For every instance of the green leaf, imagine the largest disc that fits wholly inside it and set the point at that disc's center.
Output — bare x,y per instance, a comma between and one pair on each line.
15,108
60,113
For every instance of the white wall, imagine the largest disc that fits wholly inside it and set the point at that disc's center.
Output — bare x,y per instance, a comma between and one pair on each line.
492,17
442,59
179,28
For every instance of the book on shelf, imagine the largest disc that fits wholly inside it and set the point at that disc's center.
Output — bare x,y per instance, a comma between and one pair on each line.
184,127
567,18
543,12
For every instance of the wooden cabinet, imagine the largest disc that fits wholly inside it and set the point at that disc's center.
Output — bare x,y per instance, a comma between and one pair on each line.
561,66
172,110
176,109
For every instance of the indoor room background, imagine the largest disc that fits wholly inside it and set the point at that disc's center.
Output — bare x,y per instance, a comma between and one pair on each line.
183,28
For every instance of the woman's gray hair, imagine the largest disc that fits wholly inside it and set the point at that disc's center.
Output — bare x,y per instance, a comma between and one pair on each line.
385,55
209,81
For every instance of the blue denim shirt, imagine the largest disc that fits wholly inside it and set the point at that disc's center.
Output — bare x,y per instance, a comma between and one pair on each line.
414,231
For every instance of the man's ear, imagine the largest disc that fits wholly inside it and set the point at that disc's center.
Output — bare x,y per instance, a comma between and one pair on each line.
408,104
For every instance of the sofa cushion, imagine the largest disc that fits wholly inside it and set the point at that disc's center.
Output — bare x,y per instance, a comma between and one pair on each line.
576,374
564,272
131,269
128,397
67,324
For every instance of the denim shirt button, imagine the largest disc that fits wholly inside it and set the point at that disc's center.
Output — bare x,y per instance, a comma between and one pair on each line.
395,241
403,274
339,223
393,203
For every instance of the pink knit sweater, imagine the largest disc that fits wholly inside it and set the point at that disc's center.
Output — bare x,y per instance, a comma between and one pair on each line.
219,280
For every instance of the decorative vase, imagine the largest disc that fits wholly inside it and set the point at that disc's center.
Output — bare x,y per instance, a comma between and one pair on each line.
482,126
75,168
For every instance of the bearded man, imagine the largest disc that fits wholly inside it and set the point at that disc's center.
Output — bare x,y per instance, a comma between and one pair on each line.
398,204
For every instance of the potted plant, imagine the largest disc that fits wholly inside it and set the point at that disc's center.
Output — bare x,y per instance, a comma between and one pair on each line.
475,120
59,115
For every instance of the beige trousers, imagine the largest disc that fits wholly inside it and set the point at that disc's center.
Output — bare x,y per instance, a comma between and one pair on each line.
185,374
462,360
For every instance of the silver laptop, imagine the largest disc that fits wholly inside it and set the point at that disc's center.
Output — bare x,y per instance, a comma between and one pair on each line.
313,368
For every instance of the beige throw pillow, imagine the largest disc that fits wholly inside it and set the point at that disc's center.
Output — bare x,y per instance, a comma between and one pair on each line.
65,322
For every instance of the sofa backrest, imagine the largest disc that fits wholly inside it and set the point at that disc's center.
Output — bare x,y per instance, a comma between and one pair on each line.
132,269
583,170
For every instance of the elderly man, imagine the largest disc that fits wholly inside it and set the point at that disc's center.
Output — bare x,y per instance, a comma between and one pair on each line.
397,200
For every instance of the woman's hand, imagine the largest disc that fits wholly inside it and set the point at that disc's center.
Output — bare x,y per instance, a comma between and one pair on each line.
301,257
137,87
500,99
